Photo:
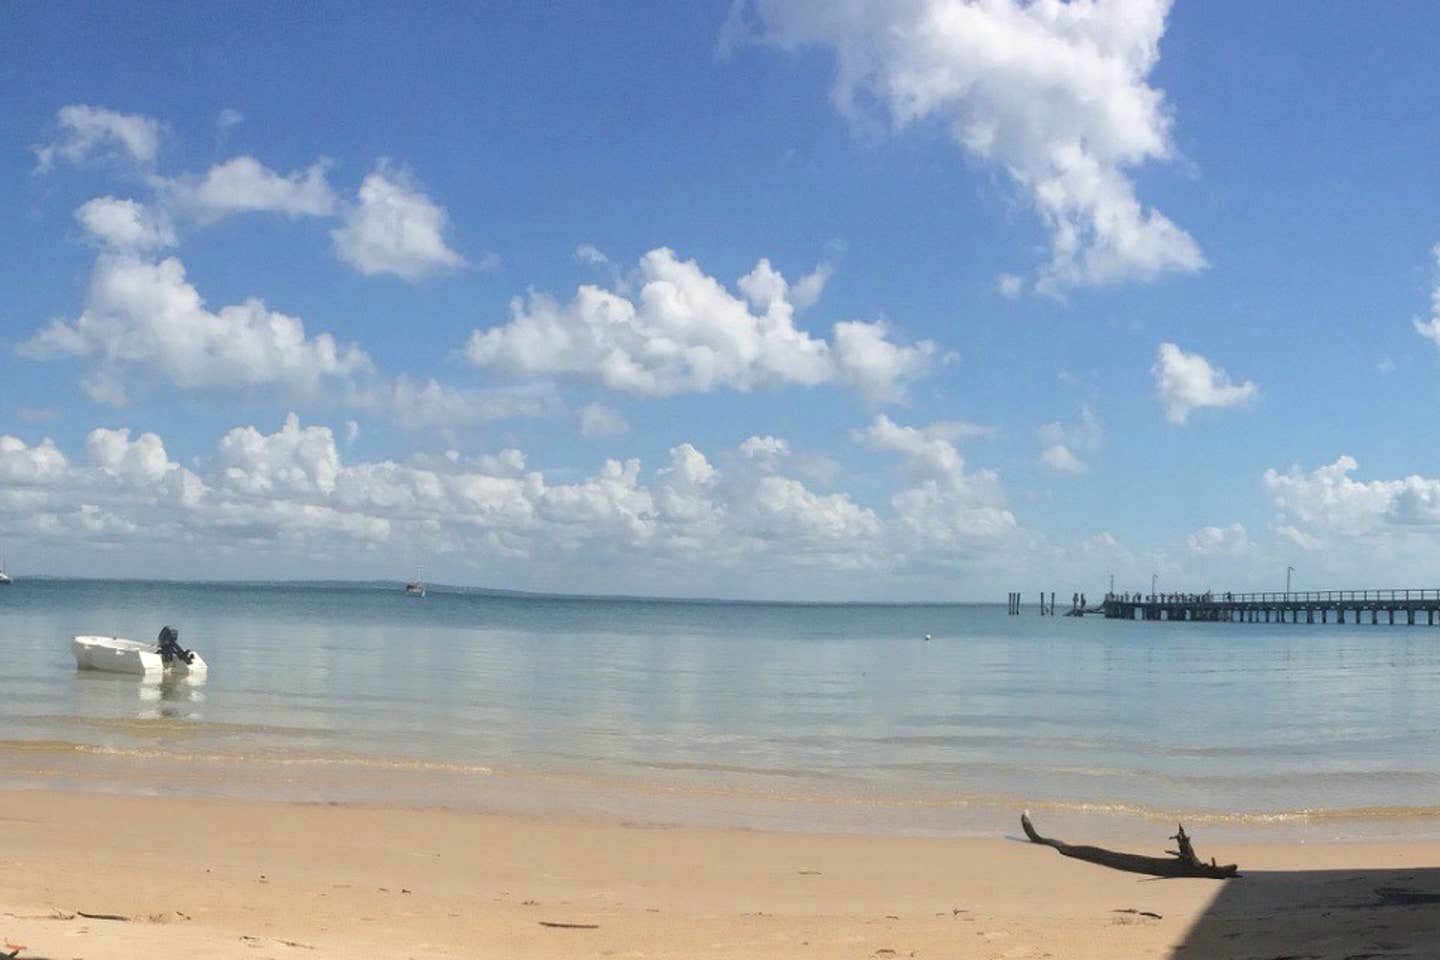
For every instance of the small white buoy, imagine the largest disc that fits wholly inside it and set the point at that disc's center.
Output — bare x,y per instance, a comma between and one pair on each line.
927,638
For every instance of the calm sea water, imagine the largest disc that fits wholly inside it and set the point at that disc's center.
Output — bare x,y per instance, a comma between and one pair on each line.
800,716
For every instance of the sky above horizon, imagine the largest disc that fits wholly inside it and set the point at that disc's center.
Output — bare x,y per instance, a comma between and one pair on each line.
772,299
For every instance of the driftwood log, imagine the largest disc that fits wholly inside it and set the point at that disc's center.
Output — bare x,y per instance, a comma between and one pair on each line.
1180,863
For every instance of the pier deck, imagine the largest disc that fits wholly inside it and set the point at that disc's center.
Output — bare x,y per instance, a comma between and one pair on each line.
1409,607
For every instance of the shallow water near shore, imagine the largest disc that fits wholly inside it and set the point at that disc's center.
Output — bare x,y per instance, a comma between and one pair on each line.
809,717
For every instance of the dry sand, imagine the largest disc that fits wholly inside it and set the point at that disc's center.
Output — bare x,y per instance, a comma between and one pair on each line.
222,879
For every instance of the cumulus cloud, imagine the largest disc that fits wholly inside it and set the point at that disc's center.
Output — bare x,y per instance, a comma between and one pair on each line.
143,322
1055,94
1231,541
85,133
1186,382
25,465
684,332
1061,442
293,461
945,508
1329,502
145,319
244,185
292,490
1060,458
598,420
1353,531
395,228
874,366
764,448
426,404
140,461
125,225
1429,329
785,509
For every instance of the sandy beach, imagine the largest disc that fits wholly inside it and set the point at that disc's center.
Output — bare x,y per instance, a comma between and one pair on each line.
220,878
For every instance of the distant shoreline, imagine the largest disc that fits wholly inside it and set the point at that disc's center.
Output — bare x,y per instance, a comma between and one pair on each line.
443,588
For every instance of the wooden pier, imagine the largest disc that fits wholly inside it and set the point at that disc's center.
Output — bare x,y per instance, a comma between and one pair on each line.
1409,607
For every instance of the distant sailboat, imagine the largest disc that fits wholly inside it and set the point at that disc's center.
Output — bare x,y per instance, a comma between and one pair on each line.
4,577
416,587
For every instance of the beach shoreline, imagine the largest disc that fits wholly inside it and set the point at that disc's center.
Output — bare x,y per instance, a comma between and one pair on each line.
244,878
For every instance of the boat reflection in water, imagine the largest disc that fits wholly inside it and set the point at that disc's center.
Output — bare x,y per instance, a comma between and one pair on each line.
152,696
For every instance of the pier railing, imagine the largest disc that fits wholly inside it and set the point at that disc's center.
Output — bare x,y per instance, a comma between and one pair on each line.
1282,596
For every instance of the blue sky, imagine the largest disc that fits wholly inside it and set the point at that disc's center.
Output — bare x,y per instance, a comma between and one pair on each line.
1007,208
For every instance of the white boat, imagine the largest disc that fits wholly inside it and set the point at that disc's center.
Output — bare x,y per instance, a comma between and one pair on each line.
118,655
4,577
416,587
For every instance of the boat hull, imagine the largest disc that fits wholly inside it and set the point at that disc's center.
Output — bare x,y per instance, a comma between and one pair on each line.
117,655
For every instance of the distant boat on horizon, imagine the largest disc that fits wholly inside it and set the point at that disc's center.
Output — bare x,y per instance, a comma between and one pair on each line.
416,587
4,577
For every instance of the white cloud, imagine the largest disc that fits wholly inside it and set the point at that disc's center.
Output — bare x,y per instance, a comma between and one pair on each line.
591,254
598,420
1055,94
144,319
227,118
87,132
1186,382
125,225
418,405
291,492
1009,285
786,509
395,228
140,461
764,448
685,333
24,465
807,289
945,508
1231,541
1059,457
875,367
1328,502
1060,442
243,185
1356,532
1429,329
294,461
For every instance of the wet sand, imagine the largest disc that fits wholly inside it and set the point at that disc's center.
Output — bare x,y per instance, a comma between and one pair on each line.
229,878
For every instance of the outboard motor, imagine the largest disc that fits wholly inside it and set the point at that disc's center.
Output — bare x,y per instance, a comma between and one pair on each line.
170,648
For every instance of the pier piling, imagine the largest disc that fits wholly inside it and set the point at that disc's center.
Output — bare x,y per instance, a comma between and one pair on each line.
1287,607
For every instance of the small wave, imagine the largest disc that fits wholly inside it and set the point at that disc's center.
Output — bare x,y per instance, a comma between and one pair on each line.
288,759
1251,817
166,726
18,749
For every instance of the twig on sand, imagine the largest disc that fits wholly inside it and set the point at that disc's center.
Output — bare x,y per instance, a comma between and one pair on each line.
569,926
1181,863
101,916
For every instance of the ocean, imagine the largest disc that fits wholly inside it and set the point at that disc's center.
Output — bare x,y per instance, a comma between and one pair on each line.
831,717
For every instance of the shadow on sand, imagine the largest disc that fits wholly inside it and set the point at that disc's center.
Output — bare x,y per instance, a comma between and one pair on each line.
1319,915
